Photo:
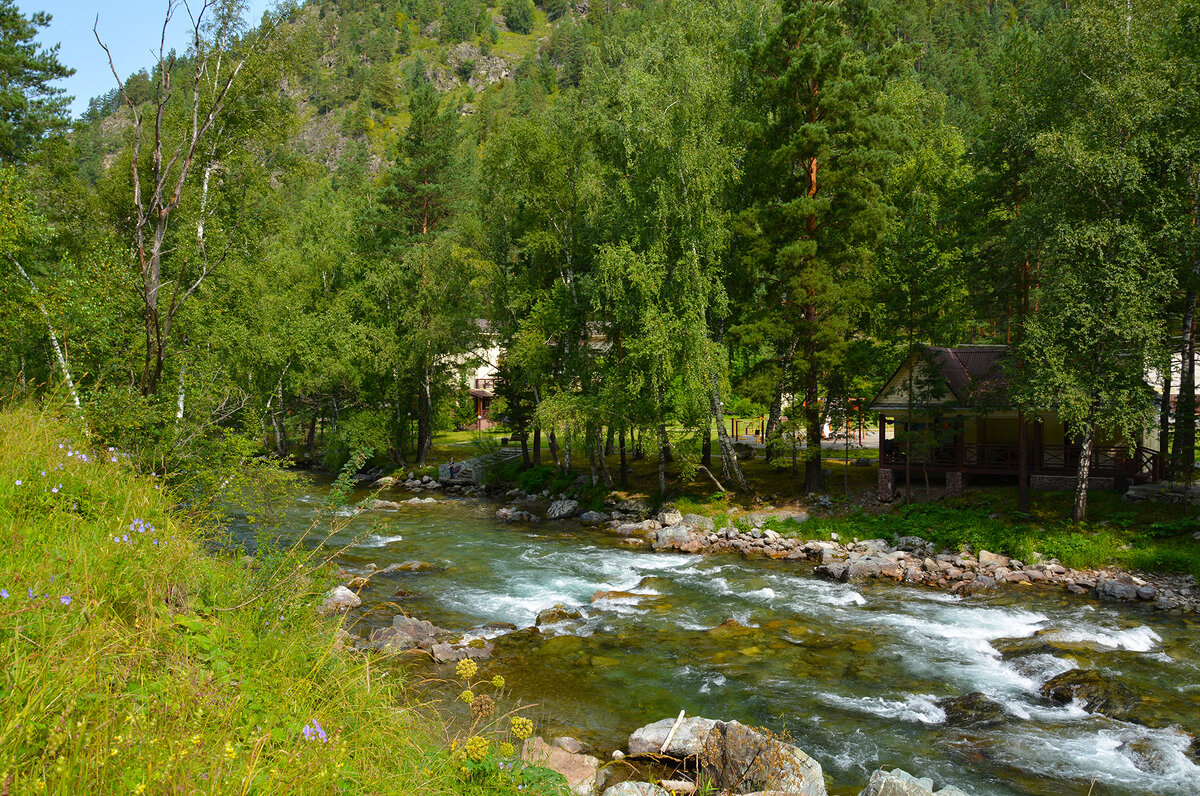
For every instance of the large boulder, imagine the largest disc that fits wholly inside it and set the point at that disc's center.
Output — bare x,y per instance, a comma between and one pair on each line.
699,521
562,509
339,600
688,740
1098,692
992,559
593,517
744,760
581,771
1115,591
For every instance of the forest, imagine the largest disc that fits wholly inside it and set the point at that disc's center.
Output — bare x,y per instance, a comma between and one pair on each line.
296,235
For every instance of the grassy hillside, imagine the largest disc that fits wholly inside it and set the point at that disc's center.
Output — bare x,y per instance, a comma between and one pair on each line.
138,660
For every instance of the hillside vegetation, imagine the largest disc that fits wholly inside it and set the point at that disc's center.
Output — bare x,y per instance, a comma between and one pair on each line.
141,656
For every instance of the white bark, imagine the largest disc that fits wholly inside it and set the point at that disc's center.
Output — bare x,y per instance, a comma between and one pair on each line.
58,352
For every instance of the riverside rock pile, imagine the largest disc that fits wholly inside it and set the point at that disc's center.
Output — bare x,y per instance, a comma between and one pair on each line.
729,757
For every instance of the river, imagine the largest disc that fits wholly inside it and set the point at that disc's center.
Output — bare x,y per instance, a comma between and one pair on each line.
853,673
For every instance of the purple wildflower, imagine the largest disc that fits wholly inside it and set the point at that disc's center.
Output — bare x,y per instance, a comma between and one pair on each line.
117,539
31,592
65,599
54,490
308,732
4,594
111,449
125,537
113,459
320,731
43,473
156,541
18,482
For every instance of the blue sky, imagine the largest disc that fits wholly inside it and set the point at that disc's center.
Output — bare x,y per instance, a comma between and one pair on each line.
131,29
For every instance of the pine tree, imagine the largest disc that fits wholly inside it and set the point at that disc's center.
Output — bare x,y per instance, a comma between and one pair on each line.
821,152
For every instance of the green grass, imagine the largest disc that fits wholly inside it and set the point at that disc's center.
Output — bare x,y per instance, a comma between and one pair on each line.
167,667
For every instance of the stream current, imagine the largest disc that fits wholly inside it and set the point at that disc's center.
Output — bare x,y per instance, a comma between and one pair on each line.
852,672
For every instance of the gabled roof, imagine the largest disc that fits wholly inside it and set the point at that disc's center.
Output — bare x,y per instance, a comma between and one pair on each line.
973,374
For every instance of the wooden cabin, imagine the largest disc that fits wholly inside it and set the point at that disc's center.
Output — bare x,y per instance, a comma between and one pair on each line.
946,411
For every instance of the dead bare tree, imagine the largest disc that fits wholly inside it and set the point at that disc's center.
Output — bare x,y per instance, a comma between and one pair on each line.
220,56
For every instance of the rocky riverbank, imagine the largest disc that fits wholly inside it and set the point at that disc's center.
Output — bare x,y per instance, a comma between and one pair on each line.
907,559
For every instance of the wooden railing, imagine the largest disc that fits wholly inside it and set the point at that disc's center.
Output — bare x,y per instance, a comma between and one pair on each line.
1004,459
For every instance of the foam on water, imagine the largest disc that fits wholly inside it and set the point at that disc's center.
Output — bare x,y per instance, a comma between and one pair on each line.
1113,753
1134,639
375,540
921,708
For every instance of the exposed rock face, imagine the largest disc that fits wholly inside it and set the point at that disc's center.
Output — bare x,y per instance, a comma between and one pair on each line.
670,517
1099,693
581,771
562,509
339,600
744,760
593,517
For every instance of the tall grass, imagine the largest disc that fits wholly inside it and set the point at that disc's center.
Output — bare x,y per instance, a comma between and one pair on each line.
137,660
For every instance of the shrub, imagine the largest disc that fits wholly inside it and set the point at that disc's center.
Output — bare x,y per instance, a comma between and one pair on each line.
518,15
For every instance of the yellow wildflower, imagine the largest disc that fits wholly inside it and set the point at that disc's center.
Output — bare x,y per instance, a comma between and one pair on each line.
466,668
476,748
498,681
521,727
467,696
507,749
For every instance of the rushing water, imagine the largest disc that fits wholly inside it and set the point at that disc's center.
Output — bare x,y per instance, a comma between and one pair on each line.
852,672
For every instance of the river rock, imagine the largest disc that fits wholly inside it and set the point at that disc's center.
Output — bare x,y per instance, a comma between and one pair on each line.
994,559
387,482
974,709
412,566
1098,692
562,509
698,521
474,648
559,613
508,514
1115,590
384,505
669,517
744,760
688,740
405,633
674,537
581,771
636,789
899,782
593,517
339,600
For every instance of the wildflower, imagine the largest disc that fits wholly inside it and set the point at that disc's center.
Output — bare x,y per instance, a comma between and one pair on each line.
308,732
125,537
113,459
507,750
230,752
498,681
43,473
31,592
320,732
466,668
521,727
476,748
65,599
141,788
155,541
467,696
54,490
117,539
4,593
18,482
111,449
483,707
